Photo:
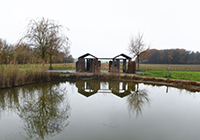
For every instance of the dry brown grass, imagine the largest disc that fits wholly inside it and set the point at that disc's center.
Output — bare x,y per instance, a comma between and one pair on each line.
12,76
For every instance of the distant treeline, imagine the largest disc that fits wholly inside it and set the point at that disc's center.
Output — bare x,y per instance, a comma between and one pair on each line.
23,54
170,56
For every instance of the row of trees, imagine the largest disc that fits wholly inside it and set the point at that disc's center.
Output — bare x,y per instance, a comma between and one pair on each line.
24,53
170,56
43,41
143,54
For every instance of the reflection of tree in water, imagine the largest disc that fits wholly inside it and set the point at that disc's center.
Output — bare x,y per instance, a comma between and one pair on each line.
9,100
43,108
137,100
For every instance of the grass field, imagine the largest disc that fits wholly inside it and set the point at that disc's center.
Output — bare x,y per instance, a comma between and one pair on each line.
143,67
164,67
185,72
184,75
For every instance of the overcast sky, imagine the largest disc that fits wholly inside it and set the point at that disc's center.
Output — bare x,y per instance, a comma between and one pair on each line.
104,27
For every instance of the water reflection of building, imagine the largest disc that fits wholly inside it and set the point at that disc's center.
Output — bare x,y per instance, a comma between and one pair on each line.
120,89
88,88
137,98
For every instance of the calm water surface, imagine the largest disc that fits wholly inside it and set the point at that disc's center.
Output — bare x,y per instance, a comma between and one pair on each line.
93,110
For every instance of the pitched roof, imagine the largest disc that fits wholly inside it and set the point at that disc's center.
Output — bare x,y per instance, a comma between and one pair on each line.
121,95
85,93
87,54
126,56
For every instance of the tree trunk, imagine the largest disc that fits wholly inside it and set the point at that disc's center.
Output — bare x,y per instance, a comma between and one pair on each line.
138,59
137,87
43,69
43,56
50,64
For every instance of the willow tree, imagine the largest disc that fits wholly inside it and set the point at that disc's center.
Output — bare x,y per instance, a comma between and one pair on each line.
44,34
57,43
137,46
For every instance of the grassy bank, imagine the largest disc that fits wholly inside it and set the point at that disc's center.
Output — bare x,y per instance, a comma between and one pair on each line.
183,84
13,75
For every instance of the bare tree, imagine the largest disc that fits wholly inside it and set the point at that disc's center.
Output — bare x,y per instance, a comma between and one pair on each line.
44,34
23,54
57,43
1,50
137,46
6,52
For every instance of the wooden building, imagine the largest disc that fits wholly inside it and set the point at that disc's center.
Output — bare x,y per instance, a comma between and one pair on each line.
90,63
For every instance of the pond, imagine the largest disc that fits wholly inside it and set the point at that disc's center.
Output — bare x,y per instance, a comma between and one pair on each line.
95,110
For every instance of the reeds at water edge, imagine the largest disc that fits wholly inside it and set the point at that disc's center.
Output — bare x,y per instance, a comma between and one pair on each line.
13,76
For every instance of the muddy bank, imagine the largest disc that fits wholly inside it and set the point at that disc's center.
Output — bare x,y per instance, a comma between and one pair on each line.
183,84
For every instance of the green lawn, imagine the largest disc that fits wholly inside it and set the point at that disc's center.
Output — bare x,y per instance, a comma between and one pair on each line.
184,75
